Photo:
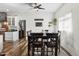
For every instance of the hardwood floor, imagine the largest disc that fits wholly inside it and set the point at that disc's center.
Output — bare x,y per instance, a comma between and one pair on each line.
18,48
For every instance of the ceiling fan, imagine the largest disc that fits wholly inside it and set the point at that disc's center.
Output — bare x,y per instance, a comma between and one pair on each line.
36,6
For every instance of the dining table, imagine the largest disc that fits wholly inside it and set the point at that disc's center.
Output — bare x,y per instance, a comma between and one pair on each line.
46,36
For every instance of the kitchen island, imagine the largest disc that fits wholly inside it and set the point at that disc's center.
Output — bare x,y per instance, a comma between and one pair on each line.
12,36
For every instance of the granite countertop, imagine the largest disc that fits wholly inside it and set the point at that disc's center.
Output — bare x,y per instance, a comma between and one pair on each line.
2,32
12,30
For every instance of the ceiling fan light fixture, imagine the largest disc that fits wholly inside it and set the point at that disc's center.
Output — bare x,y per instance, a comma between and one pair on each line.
7,10
36,9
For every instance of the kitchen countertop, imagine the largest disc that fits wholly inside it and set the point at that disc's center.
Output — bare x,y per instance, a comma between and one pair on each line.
11,30
2,32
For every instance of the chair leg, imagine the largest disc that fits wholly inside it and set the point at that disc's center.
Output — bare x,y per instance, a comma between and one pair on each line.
52,51
59,47
37,51
33,50
41,51
47,51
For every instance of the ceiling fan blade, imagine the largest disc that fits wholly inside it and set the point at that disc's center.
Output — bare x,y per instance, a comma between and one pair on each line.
35,7
32,4
35,4
39,5
42,8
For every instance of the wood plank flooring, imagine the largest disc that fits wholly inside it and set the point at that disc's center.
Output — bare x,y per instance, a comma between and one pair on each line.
18,48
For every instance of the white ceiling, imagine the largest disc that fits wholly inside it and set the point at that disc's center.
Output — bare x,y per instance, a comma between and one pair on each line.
20,8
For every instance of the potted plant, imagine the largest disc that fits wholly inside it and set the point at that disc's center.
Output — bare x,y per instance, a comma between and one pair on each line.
54,23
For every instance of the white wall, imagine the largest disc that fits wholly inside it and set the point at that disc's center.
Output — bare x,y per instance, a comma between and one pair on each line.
70,40
76,27
30,23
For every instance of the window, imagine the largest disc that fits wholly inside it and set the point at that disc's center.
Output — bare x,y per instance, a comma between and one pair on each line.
65,23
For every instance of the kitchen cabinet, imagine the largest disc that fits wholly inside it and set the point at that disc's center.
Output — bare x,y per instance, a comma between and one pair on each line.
12,36
3,16
1,42
13,21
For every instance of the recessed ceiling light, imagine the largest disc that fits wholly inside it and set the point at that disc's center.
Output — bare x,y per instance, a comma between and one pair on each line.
7,9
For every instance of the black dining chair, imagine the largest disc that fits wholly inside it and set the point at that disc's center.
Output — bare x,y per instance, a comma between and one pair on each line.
37,44
51,43
59,40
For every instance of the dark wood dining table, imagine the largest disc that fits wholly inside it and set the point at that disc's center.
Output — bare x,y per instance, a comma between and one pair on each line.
47,36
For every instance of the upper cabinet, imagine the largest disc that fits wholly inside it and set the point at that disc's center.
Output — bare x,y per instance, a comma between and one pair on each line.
3,16
13,21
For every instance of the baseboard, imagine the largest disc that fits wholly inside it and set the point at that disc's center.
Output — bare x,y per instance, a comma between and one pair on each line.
8,40
66,51
11,41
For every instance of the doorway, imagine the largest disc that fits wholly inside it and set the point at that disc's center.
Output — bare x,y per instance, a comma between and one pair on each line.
22,31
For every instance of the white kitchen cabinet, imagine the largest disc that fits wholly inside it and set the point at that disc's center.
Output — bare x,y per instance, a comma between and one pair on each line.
12,36
8,36
1,42
13,21
15,35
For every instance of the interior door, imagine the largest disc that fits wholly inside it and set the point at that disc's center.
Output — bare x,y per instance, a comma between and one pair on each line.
22,25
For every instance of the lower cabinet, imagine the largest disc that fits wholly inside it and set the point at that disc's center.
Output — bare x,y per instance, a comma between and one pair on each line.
12,36
1,42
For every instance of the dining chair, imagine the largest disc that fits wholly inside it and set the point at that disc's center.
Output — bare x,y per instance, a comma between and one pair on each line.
37,44
51,43
59,40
